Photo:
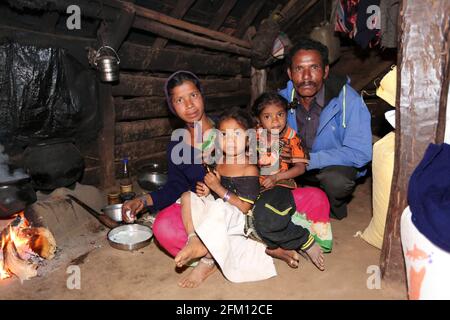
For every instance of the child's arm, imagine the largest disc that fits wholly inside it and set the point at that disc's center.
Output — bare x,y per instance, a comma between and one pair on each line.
295,171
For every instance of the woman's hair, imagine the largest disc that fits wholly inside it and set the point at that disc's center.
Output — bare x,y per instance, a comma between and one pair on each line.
241,116
177,79
266,99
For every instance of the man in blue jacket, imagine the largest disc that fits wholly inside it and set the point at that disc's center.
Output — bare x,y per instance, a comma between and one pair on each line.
331,119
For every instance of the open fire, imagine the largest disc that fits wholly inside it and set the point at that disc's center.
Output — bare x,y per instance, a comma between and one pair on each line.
24,248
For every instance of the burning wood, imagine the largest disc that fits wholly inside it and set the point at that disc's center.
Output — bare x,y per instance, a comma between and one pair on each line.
23,248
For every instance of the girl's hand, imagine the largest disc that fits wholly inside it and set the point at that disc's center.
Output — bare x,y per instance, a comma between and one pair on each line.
202,189
212,180
269,181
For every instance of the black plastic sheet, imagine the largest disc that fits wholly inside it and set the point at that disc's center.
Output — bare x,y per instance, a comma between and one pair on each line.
45,93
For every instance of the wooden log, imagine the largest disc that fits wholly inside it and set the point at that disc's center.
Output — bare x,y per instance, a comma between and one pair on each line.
106,136
156,107
139,149
221,15
135,57
147,14
248,18
178,12
171,33
142,129
138,57
140,86
423,25
114,33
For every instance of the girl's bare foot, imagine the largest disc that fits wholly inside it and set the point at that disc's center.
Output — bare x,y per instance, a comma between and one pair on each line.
197,275
291,257
315,254
194,249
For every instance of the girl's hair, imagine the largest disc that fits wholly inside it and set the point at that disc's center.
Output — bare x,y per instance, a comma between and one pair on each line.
177,79
241,116
268,98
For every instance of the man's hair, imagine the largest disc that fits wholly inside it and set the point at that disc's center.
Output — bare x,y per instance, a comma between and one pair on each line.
308,44
268,98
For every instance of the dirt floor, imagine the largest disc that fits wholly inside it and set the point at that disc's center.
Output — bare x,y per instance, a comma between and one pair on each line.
149,273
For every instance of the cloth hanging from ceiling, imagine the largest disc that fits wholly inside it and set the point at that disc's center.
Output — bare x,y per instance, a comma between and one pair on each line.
368,21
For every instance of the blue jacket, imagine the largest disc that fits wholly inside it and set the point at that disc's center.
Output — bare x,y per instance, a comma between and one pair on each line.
344,135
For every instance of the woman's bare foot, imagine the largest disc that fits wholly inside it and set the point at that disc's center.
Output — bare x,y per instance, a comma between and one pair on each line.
291,257
315,254
197,275
194,249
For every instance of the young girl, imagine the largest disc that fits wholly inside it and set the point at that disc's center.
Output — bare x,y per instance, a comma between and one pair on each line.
274,209
214,217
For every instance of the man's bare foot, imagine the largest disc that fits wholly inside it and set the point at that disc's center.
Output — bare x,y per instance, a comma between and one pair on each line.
291,257
194,249
315,254
197,275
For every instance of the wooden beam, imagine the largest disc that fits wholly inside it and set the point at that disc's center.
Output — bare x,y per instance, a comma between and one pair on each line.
302,9
248,18
222,14
156,107
138,57
139,86
114,33
142,130
419,91
177,23
188,38
178,12
142,148
106,137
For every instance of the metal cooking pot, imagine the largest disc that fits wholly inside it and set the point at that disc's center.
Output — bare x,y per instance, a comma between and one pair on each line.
15,196
152,176
107,64
53,163
114,211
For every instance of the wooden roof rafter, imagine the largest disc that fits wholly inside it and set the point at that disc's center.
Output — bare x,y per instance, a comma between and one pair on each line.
222,14
249,17
296,11
178,12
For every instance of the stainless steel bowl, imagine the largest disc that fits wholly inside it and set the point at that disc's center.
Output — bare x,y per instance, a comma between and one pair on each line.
152,176
114,211
130,237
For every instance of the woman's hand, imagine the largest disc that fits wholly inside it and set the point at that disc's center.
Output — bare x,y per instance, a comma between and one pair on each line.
202,189
212,180
269,181
130,208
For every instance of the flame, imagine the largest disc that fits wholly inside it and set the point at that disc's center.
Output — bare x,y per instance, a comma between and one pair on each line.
4,274
18,238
